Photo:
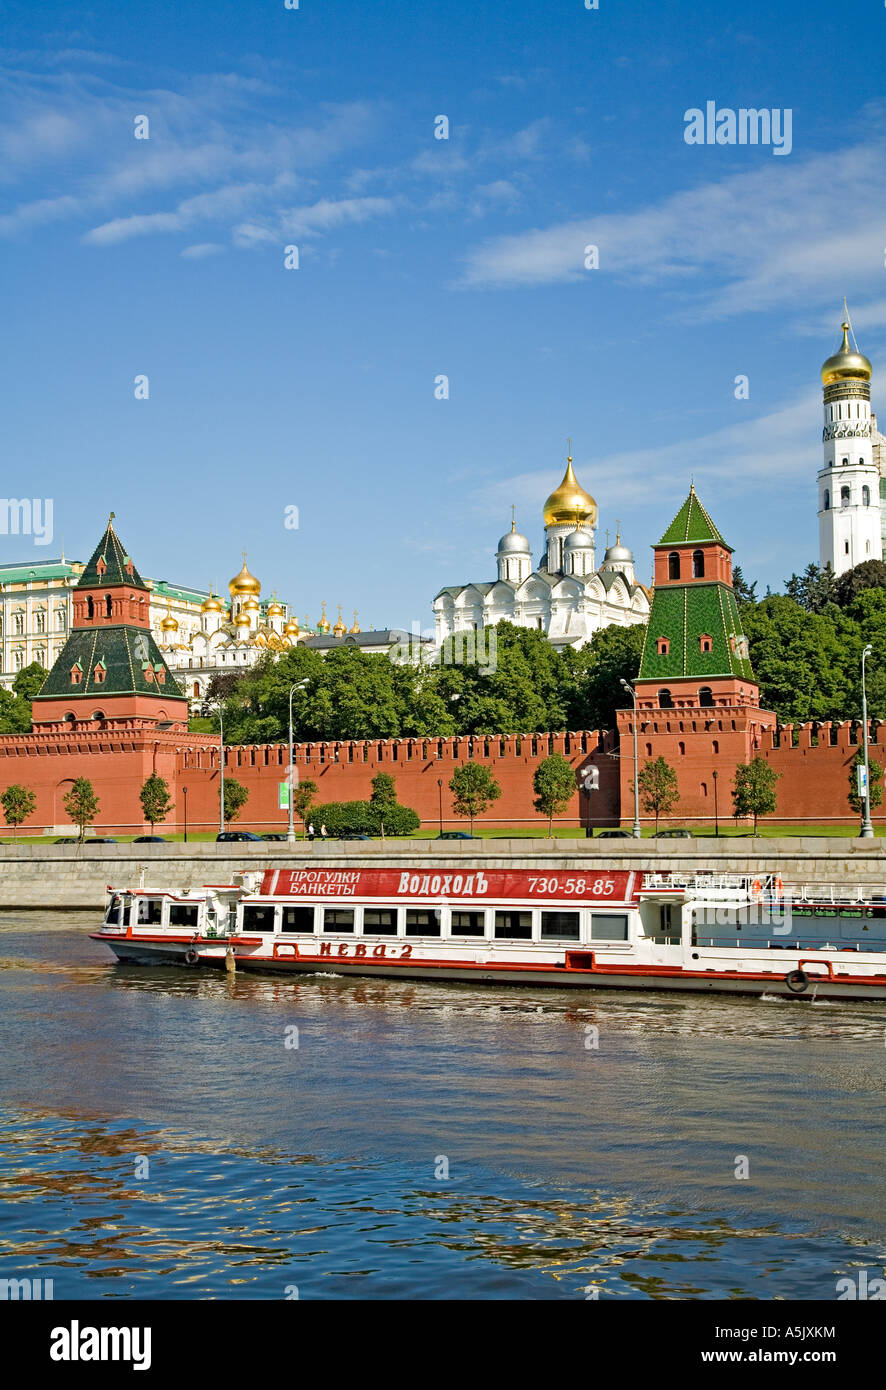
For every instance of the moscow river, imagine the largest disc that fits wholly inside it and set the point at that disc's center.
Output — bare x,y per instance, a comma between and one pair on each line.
168,1133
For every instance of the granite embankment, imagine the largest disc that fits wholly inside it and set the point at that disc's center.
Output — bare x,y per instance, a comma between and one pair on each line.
71,876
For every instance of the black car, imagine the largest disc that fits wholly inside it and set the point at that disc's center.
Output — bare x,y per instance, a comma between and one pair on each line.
456,835
149,840
101,840
673,835
228,835
66,840
616,835
277,835
353,835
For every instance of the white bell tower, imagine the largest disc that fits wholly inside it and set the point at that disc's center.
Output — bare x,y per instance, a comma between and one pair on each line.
849,483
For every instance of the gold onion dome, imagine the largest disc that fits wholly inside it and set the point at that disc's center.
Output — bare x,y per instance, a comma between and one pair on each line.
211,604
170,622
324,623
244,582
291,628
275,609
846,363
356,627
570,504
339,630
242,618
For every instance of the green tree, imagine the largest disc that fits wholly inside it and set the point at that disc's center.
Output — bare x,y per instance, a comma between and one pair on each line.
659,790
302,800
554,785
473,789
875,785
745,593
18,803
81,805
753,789
612,655
29,681
799,659
235,798
814,589
155,799
384,790
870,574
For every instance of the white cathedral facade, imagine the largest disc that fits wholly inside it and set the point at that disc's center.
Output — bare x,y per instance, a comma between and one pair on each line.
850,514
566,596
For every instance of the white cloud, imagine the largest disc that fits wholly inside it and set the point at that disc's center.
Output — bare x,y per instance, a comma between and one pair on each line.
201,250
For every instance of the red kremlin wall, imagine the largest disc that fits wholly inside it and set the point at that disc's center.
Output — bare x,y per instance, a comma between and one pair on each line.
814,761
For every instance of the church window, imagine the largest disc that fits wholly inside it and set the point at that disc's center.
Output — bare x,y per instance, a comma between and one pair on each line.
19,624
90,607
664,646
41,622
673,565
706,643
109,607
827,500
19,660
664,700
698,564
705,695
845,463
76,673
98,675
61,620
866,496
844,496
196,687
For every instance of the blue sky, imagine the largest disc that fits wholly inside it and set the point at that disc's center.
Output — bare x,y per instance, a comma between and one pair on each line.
314,387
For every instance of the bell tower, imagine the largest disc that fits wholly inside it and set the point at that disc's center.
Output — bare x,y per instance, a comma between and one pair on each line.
849,483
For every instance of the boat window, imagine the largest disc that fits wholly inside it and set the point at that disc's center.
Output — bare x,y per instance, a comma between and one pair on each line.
379,921
113,916
150,911
513,925
609,926
560,926
423,921
258,918
183,915
338,919
467,924
299,918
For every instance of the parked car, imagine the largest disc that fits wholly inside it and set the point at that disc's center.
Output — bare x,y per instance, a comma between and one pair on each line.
615,835
276,835
231,835
100,840
149,840
353,835
457,835
673,835
66,840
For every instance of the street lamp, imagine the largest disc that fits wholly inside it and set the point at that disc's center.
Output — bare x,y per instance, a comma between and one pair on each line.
440,796
221,774
716,813
867,829
637,831
290,834
185,795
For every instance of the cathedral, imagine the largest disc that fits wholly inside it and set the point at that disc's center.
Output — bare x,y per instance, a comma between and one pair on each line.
851,485
566,596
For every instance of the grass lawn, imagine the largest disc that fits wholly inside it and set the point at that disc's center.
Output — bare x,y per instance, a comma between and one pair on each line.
764,831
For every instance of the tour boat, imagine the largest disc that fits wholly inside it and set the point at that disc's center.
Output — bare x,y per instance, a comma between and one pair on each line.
737,934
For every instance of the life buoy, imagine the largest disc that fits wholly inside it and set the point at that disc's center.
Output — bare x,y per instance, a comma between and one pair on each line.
757,889
797,981
191,957
778,885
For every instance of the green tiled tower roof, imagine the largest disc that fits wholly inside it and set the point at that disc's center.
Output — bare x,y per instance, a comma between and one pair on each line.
110,564
692,525
684,614
123,654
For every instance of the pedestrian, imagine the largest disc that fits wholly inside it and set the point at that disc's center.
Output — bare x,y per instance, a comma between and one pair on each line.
323,832
311,831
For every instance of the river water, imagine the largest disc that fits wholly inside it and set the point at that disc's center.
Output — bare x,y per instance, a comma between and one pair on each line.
168,1133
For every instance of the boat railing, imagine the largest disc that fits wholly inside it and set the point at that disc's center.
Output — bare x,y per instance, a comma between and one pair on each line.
767,885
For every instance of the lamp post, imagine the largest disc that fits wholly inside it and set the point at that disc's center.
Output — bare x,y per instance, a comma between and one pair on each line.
185,796
716,812
637,831
290,833
440,796
867,829
221,775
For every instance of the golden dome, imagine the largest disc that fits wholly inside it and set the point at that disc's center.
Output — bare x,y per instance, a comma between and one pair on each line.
570,504
356,627
324,623
339,630
846,364
291,628
170,622
244,582
211,604
242,618
275,609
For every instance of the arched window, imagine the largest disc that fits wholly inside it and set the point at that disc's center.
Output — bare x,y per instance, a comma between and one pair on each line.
674,565
649,750
19,624
663,645
109,607
715,746
664,700
705,695
866,496
705,643
827,500
698,564
90,606
41,622
844,497
682,748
